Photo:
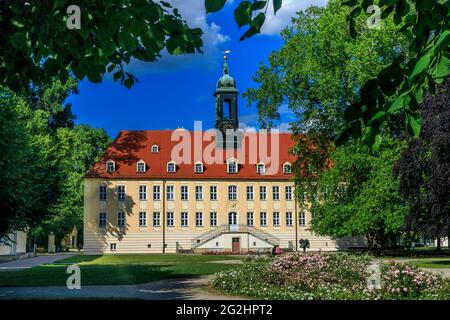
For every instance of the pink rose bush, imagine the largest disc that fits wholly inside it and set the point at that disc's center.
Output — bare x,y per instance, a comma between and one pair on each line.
328,276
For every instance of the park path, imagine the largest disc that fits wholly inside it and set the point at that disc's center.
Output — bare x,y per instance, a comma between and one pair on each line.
33,262
172,289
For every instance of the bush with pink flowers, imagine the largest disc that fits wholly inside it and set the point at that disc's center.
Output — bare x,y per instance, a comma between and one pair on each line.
328,276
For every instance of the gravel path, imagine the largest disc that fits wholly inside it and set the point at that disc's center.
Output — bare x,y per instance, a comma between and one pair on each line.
32,262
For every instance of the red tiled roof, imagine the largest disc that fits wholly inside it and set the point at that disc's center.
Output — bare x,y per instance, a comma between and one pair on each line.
132,146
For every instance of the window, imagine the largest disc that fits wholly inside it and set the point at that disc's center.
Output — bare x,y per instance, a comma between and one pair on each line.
102,219
199,219
142,219
121,193
213,219
198,168
141,166
170,219
156,193
302,219
102,193
276,219
171,167
288,191
142,193
113,247
198,193
287,168
249,193
184,193
232,193
262,193
263,219
156,219
260,168
276,193
289,219
170,193
184,219
121,219
110,166
232,166
213,193
155,148
250,219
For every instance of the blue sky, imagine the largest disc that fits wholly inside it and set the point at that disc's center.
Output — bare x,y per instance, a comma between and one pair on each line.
176,91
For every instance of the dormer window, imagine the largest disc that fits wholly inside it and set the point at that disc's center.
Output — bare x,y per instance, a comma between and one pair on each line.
198,167
232,166
287,168
155,148
261,168
171,167
141,166
110,166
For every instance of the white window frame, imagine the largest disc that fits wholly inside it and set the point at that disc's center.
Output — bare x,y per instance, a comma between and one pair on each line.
250,193
288,192
184,193
198,193
285,165
232,194
121,192
261,192
213,219
276,193
169,164
102,192
113,247
138,166
121,219
289,219
213,193
142,192
113,166
184,219
155,148
156,192
199,219
156,219
197,165
102,220
170,219
234,162
142,219
263,218
261,168
302,219
276,218
170,193
250,219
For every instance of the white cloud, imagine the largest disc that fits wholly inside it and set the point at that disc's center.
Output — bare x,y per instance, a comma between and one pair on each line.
274,24
194,13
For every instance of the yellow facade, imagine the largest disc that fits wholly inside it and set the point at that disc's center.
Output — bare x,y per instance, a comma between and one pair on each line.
133,238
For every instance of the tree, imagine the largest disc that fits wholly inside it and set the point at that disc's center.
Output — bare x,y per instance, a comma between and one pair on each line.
424,169
36,43
358,195
399,87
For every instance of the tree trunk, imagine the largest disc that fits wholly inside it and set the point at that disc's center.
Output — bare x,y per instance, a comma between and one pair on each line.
438,247
374,243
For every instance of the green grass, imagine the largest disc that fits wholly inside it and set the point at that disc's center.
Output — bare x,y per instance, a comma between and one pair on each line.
431,263
117,270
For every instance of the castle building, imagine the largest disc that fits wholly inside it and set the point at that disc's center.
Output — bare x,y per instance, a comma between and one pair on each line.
193,191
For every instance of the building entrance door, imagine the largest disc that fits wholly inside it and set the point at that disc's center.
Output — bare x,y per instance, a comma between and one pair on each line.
232,221
236,245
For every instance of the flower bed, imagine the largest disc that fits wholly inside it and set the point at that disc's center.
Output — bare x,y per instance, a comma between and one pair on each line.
327,276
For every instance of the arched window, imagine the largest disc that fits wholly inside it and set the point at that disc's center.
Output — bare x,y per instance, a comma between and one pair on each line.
260,168
110,166
171,167
287,168
198,167
232,165
141,166
155,148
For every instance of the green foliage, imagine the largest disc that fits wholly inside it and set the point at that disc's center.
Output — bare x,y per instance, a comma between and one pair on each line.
36,44
358,195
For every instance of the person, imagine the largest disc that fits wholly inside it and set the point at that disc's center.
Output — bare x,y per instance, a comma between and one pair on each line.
273,250
278,250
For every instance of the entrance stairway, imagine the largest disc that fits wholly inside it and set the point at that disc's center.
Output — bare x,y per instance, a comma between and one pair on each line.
238,228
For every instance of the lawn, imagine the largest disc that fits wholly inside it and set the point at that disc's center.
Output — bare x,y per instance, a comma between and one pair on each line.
431,263
117,269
